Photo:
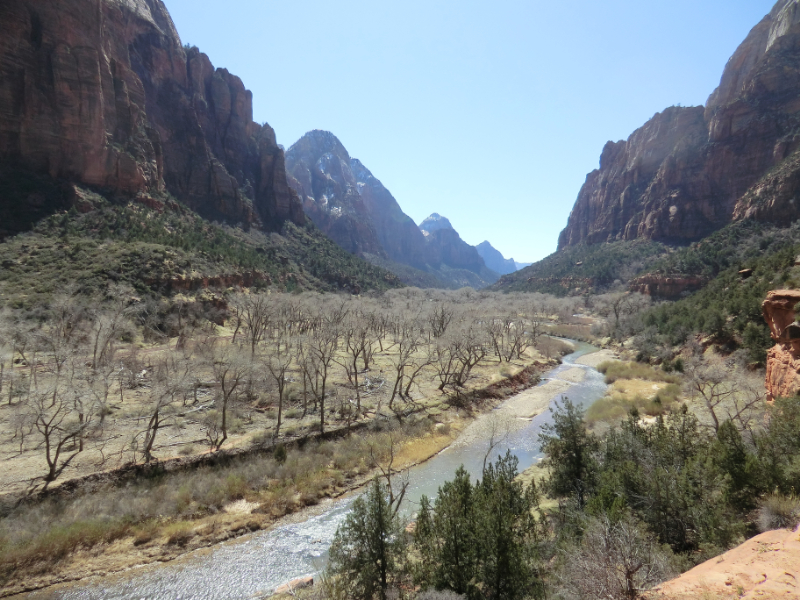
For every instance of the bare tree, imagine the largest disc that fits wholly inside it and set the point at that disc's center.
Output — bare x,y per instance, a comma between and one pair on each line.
355,342
231,371
439,319
278,359
60,420
165,385
397,480
321,348
253,314
723,391
615,561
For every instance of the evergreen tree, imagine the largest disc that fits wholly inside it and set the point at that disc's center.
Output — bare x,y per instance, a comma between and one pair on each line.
369,548
570,450
482,541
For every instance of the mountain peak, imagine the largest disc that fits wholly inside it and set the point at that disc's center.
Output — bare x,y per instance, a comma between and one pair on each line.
434,223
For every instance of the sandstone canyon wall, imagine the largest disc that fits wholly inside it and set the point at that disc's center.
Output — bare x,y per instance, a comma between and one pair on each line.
783,359
101,93
690,171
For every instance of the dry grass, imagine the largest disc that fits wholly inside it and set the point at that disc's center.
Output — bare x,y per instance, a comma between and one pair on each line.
650,391
614,369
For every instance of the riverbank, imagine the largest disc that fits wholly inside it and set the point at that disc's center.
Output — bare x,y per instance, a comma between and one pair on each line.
128,545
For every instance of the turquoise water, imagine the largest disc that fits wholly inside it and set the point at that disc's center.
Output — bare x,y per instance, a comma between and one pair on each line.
255,565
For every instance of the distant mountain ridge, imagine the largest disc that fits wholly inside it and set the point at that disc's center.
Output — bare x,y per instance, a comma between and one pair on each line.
689,171
349,204
495,260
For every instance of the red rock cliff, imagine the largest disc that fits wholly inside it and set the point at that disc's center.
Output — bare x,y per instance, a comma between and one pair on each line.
103,94
783,359
690,171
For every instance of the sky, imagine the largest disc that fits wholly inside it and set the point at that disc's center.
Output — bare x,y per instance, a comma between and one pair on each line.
489,113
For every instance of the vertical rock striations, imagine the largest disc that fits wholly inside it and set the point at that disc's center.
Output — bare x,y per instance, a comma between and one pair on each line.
690,171
102,93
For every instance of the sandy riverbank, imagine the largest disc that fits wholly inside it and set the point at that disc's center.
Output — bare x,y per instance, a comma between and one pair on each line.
595,358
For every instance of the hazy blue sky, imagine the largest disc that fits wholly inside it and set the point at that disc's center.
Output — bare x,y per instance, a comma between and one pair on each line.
490,113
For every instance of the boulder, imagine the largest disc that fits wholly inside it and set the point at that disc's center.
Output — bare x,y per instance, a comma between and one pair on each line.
783,359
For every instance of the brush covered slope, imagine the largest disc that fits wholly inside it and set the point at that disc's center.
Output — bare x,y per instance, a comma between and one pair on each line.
349,204
584,269
691,170
171,251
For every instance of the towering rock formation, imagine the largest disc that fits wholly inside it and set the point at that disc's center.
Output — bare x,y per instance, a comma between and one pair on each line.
347,202
101,93
446,246
783,359
690,171
495,260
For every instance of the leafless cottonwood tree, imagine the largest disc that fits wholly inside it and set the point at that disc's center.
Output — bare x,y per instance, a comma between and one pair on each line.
322,346
60,420
723,391
356,342
397,480
165,385
615,561
278,360
407,340
231,369
619,308
440,317
252,314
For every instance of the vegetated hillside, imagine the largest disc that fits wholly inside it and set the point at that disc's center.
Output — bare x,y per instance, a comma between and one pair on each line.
353,207
172,249
584,269
728,308
689,171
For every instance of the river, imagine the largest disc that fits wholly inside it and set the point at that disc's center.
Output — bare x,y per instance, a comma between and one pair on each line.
254,565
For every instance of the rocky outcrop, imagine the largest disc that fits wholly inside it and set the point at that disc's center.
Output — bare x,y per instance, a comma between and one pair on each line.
348,203
665,287
102,93
495,260
783,359
690,171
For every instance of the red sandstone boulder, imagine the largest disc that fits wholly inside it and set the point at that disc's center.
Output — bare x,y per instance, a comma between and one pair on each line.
783,359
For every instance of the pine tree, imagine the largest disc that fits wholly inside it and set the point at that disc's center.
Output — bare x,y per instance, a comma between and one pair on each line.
369,547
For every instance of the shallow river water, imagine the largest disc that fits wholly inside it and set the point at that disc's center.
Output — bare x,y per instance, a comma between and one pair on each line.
255,565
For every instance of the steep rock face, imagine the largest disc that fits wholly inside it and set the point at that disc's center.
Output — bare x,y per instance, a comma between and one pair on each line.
445,246
397,232
495,260
690,171
783,359
665,287
320,172
102,93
